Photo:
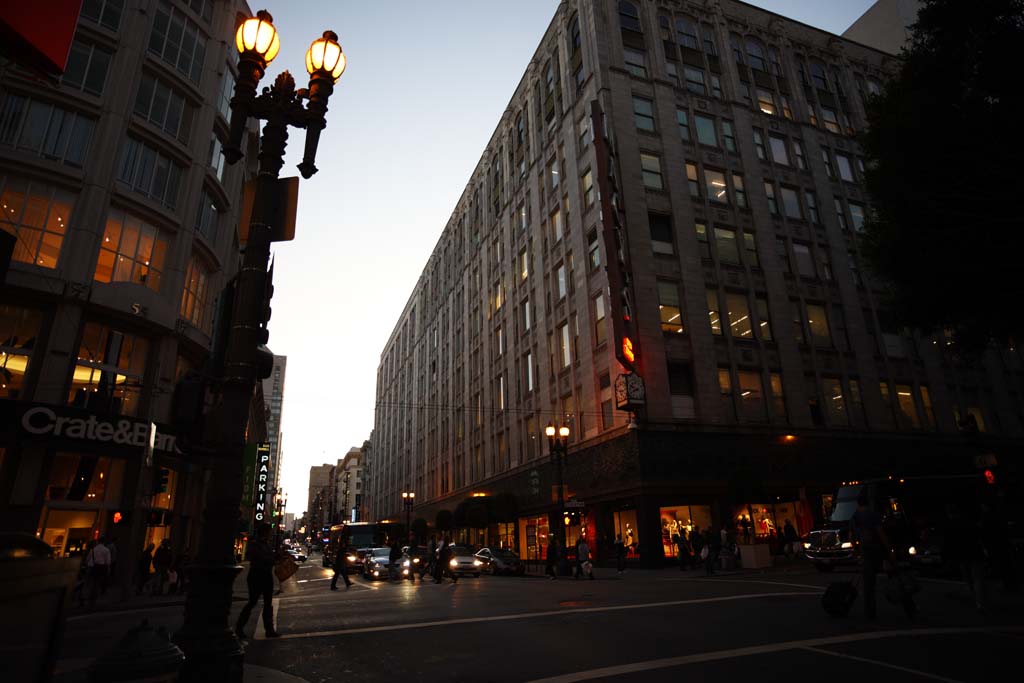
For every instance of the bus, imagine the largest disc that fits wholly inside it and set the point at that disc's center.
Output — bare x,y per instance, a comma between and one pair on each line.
355,536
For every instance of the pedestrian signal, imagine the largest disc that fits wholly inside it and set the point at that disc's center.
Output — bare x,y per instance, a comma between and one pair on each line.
990,477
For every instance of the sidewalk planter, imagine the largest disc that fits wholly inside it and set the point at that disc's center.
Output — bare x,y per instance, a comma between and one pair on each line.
34,592
756,556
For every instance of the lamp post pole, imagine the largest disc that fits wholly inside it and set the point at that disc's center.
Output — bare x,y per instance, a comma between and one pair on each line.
558,440
212,651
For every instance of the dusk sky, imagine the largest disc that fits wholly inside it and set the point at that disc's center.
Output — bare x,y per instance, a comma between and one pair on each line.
425,86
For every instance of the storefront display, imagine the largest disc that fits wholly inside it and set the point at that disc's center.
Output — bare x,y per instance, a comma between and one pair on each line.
533,537
624,522
766,521
682,520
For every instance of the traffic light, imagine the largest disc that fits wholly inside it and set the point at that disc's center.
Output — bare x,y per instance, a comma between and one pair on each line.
119,517
160,481
263,357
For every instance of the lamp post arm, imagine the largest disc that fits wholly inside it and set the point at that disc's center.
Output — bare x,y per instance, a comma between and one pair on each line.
250,71
321,87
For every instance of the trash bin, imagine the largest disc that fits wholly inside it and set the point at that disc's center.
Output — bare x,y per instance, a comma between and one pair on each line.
34,591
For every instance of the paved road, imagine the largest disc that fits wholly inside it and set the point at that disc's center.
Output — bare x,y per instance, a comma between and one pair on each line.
640,626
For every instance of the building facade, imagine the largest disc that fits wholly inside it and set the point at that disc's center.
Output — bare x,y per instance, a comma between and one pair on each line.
349,487
885,25
273,393
320,502
771,369
125,217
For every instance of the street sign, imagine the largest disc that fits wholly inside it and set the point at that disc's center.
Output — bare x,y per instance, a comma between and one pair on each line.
985,460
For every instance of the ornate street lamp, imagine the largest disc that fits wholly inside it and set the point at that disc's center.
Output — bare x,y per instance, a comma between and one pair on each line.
408,498
558,446
212,651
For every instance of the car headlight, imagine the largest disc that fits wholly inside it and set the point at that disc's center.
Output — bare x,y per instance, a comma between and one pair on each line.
351,558
416,560
806,545
846,545
453,563
376,573
912,550
477,563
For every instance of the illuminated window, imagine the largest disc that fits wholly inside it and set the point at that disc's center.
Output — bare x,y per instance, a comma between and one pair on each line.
109,371
19,331
131,251
195,296
524,265
691,179
778,398
738,308
564,345
714,315
588,188
37,215
714,183
766,101
764,325
725,391
668,307
905,403
556,224
817,321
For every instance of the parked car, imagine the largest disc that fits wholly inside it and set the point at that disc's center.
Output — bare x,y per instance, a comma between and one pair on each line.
376,563
501,561
462,561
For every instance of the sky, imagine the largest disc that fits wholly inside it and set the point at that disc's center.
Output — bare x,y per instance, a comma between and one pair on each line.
425,86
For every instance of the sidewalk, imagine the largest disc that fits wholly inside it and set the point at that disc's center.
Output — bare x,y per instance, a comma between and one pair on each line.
608,571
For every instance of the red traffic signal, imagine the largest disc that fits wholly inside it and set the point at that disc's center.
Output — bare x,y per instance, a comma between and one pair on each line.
990,477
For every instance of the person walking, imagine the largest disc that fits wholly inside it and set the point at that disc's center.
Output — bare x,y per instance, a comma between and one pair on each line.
791,538
866,527
162,564
551,559
142,575
697,545
341,569
685,559
394,559
97,566
260,582
583,565
443,557
713,542
431,558
620,553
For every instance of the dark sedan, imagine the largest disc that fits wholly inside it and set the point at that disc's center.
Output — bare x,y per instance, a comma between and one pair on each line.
462,561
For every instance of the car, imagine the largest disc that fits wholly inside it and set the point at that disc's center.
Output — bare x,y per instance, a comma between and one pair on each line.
297,554
501,561
462,561
376,563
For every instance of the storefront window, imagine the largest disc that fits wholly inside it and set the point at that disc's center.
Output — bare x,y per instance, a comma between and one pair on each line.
533,537
765,521
108,375
625,526
19,329
682,520
68,532
76,477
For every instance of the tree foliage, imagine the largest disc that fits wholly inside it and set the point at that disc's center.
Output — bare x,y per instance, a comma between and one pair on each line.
946,173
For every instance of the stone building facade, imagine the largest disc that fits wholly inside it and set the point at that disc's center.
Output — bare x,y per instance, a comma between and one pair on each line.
772,371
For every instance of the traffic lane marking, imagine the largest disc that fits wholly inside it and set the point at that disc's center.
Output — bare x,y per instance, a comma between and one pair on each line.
544,613
718,655
887,665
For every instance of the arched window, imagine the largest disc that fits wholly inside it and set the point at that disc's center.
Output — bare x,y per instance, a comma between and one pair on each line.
520,130
818,76
687,32
755,55
629,17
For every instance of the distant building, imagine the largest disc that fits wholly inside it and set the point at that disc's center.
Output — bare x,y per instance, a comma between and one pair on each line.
273,395
885,25
320,501
349,487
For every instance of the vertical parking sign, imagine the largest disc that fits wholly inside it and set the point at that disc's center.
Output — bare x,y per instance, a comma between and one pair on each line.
262,479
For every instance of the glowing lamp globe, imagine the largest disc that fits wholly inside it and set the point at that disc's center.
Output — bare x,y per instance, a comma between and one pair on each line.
258,35
325,56
550,430
563,432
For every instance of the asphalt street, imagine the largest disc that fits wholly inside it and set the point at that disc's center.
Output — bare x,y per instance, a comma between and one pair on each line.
638,626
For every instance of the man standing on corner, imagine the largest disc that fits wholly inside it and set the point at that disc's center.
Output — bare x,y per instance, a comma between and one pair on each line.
260,582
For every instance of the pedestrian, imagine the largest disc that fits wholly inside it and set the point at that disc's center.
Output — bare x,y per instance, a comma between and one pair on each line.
791,538
620,553
441,555
697,545
713,543
583,564
685,560
443,558
260,582
143,570
431,558
964,550
745,523
97,567
162,564
551,559
184,562
866,527
394,559
724,537
341,569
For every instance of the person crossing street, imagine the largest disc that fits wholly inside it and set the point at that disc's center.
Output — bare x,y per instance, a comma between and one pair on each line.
341,569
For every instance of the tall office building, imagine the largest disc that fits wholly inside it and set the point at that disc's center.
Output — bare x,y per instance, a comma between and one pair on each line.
273,393
732,231
885,25
320,499
125,217
348,476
